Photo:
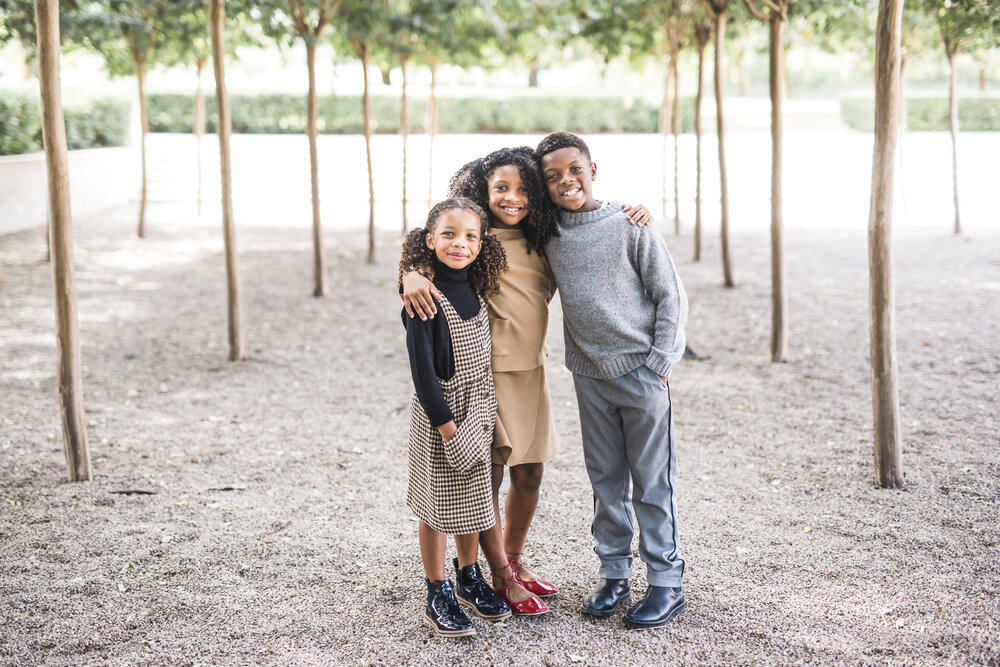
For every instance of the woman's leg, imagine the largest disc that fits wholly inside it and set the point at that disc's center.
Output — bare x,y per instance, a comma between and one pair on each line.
432,547
522,500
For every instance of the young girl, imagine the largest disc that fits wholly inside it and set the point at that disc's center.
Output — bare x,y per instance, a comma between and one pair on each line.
508,183
453,411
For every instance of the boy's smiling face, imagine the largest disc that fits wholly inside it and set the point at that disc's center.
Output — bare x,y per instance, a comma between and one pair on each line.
569,177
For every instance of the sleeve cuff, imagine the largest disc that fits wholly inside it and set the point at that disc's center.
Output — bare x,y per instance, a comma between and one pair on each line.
440,417
659,362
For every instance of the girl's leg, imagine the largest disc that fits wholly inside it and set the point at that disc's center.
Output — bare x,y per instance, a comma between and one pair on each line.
432,547
522,500
492,544
468,548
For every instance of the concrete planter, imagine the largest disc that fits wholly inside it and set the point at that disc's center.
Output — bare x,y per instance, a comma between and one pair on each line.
99,178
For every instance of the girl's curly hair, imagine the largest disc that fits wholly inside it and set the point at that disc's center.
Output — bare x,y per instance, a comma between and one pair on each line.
472,181
484,271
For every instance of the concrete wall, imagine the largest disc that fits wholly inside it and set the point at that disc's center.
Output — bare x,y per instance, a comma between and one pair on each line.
98,178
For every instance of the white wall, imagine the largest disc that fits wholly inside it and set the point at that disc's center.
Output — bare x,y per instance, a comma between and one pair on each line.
98,178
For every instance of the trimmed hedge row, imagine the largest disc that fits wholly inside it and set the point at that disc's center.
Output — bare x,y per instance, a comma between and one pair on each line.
100,122
281,114
928,114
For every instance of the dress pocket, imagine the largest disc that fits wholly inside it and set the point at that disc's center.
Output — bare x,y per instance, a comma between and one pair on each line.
500,333
470,445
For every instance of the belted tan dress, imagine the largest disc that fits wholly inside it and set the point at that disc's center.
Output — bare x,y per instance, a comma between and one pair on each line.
448,499
519,317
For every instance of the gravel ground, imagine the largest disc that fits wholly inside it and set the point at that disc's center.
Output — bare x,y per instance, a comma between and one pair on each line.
272,526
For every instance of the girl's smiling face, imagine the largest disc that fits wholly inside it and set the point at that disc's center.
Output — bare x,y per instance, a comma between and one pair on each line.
456,238
508,196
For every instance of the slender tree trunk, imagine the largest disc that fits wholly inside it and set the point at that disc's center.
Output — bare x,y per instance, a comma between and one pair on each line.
368,152
785,86
665,124
697,135
386,78
199,125
902,123
675,118
742,80
140,75
533,74
953,128
319,260
885,394
404,129
432,131
217,17
74,425
982,78
720,74
779,300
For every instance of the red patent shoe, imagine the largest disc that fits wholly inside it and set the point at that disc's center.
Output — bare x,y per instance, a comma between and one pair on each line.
539,587
533,606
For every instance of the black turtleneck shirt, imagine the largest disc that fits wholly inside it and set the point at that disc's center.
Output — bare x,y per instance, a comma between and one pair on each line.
429,342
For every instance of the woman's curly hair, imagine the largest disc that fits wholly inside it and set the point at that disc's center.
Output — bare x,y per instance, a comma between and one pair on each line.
472,181
484,271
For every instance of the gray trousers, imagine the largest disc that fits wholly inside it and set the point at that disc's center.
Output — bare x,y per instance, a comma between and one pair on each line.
627,426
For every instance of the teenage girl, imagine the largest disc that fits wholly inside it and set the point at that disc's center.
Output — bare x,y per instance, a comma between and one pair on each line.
453,411
508,183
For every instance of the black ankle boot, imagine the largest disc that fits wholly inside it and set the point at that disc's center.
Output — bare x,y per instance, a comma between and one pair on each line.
443,613
473,592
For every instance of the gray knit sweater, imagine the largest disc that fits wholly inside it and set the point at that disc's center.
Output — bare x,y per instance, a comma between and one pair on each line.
623,303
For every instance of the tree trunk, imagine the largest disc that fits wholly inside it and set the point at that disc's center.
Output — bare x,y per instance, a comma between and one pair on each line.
885,394
319,260
386,78
199,125
720,73
217,17
779,300
902,123
367,103
953,127
982,78
74,425
675,129
431,130
533,74
140,75
697,135
742,80
665,124
404,129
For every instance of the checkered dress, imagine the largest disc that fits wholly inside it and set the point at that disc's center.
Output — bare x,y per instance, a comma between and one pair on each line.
452,493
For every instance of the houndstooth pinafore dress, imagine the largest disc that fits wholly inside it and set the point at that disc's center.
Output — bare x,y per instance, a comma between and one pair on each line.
448,499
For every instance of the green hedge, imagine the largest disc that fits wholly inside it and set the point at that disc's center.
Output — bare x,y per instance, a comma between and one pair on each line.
928,114
99,122
279,114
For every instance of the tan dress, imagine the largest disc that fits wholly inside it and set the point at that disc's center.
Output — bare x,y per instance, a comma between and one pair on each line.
519,317
456,498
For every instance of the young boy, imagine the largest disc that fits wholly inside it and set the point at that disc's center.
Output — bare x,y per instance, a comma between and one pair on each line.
624,310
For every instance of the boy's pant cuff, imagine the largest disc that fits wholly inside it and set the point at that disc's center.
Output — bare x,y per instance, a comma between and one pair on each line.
615,571
664,579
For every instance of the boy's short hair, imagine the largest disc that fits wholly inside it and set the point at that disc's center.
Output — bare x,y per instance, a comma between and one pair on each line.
558,140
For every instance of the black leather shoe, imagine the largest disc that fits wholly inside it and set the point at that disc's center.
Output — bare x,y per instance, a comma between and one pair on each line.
473,592
607,597
443,613
658,606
